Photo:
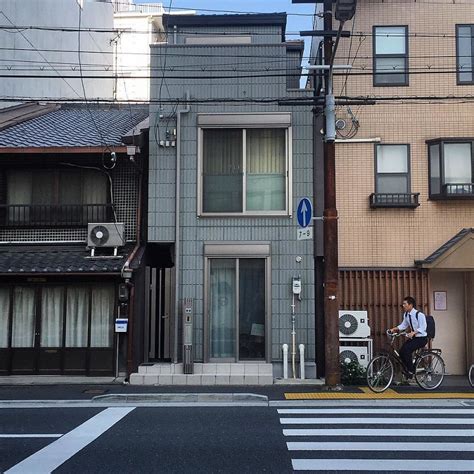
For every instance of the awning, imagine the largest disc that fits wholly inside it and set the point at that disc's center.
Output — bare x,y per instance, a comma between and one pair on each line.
456,254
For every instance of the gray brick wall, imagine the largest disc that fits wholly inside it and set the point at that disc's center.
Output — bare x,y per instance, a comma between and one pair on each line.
186,61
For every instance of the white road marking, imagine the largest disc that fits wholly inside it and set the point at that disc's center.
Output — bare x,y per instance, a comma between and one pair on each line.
35,435
384,411
377,446
412,465
52,456
402,420
377,432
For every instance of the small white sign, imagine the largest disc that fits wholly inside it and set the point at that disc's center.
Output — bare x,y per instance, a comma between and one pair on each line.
258,330
121,325
305,234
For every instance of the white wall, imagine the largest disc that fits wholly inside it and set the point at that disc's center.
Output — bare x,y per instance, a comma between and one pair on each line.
451,324
55,13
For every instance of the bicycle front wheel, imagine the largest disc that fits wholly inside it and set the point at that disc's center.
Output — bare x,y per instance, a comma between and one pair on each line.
380,373
429,371
471,375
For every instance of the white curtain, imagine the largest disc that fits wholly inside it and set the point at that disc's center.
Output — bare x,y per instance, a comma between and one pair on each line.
102,316
223,308
4,315
77,316
23,330
266,169
52,316
19,191
457,163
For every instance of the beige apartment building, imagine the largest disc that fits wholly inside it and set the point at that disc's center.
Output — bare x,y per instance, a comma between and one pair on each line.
405,168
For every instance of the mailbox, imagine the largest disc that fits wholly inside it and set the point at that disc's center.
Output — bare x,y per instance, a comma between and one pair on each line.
188,321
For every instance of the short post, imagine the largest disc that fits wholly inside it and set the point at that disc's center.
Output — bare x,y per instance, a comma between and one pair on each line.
285,361
301,347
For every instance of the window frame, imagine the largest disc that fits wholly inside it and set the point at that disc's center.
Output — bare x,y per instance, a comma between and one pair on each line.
243,126
375,56
459,82
237,250
440,142
407,174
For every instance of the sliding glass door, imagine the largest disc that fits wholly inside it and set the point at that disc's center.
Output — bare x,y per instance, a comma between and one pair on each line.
237,309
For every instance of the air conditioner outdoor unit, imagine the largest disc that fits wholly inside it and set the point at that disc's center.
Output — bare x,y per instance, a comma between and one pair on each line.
110,234
354,354
353,324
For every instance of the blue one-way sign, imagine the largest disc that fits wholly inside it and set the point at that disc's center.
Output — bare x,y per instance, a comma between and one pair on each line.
304,212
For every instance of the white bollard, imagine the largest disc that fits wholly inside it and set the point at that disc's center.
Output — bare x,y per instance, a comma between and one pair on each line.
285,361
301,346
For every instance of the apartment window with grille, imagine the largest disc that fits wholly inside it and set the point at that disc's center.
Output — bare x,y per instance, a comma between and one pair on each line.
465,53
451,168
244,171
392,177
390,45
55,197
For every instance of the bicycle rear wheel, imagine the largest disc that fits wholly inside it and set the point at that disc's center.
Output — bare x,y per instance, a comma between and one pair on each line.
429,371
380,373
471,375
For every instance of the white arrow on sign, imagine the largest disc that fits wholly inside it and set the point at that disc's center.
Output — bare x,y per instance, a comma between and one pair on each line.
304,210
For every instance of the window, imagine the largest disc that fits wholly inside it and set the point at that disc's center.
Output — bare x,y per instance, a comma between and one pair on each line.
451,168
244,170
465,53
55,197
392,177
390,55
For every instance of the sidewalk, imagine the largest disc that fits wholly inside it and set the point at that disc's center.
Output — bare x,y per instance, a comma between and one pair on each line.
79,388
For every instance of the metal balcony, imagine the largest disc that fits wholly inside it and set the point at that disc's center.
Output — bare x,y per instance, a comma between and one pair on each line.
458,191
45,215
409,200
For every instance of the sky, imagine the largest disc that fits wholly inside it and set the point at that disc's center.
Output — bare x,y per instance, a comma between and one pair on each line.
295,23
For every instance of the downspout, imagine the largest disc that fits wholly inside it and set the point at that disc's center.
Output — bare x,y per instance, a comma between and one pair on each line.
177,245
127,275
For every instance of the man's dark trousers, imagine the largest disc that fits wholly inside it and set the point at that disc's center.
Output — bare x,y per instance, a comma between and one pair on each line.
408,348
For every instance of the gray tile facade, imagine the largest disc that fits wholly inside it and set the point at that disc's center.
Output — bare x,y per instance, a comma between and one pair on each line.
182,63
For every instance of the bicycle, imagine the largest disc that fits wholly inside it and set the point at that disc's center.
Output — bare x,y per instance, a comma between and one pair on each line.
429,367
470,375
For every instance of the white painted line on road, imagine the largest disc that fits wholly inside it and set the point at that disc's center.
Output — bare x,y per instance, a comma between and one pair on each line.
377,432
375,411
423,465
371,446
49,458
35,435
377,421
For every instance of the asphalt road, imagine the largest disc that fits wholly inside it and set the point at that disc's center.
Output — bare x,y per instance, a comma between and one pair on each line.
325,438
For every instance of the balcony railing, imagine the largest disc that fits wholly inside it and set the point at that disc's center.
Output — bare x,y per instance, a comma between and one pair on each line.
45,215
458,190
394,200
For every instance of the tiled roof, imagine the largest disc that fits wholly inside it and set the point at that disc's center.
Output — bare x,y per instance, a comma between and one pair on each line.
49,259
446,246
76,125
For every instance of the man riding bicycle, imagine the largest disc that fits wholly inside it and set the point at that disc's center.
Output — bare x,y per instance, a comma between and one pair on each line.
415,321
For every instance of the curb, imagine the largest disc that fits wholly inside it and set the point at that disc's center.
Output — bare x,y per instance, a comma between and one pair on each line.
181,398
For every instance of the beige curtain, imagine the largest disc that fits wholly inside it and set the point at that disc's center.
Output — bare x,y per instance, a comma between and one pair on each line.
102,316
4,315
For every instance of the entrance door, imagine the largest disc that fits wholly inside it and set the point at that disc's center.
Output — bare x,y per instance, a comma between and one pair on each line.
159,298
237,309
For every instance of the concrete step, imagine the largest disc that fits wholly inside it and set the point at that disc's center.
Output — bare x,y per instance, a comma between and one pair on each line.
200,379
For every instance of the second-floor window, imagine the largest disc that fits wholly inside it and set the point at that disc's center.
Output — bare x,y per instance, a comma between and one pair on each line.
390,55
451,165
465,53
55,197
392,169
244,170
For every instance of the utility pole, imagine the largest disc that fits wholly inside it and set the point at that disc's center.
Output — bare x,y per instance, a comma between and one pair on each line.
345,10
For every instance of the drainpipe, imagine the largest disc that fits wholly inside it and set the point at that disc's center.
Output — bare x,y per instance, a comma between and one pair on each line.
127,275
177,245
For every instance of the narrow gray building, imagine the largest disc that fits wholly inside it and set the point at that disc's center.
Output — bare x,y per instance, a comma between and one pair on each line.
230,158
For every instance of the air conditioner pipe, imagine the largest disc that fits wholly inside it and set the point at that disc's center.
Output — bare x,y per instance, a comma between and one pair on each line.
301,347
285,361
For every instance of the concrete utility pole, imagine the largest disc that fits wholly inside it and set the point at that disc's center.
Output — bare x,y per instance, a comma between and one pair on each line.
345,10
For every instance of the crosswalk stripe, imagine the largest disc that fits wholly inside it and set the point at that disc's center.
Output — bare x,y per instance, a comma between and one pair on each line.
377,421
423,465
377,446
375,411
377,432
